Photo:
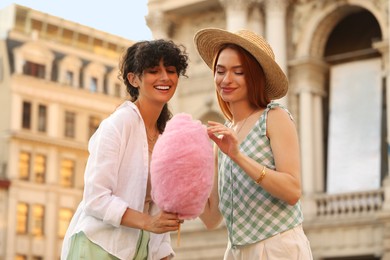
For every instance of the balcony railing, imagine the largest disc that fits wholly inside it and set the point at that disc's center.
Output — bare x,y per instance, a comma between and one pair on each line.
361,203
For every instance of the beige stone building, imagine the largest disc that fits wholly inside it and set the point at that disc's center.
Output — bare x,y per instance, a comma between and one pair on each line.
336,56
58,80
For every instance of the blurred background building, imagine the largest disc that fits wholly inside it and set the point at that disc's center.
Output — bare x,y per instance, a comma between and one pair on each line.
58,80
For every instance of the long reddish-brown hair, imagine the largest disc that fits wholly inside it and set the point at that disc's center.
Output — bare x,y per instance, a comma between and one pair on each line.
254,77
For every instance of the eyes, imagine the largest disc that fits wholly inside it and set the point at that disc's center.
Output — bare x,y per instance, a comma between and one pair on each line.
220,70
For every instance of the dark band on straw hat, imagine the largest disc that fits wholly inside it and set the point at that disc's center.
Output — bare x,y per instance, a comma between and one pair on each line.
209,41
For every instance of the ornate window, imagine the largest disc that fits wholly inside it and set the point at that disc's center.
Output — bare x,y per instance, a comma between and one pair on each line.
24,165
22,218
65,216
69,78
39,168
38,213
69,71
93,77
42,118
26,115
70,124
34,69
34,59
93,85
67,173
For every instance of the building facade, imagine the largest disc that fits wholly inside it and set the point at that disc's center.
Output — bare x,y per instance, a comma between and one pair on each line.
58,80
336,56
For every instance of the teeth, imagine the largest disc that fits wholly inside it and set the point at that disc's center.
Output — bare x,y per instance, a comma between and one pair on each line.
162,87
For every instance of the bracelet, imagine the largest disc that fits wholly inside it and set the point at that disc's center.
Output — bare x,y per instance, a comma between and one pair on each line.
262,175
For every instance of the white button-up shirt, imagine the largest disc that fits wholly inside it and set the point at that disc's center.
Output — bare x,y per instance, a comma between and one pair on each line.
116,178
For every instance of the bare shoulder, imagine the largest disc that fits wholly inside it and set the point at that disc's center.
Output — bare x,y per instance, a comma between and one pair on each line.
278,113
279,120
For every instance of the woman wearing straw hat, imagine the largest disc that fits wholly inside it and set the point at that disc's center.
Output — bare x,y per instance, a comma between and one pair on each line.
257,186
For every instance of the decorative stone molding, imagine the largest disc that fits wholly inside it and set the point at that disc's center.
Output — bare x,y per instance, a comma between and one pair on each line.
236,13
384,48
256,20
35,52
315,20
70,64
94,70
310,70
160,24
237,4
276,5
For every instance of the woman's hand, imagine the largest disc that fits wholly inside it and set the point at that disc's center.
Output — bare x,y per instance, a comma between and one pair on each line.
224,137
162,222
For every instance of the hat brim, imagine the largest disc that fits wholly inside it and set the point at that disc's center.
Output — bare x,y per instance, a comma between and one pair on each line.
209,41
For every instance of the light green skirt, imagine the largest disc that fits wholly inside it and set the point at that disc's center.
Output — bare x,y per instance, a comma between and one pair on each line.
83,248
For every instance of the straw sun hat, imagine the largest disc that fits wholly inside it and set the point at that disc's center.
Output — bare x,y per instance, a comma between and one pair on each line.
208,42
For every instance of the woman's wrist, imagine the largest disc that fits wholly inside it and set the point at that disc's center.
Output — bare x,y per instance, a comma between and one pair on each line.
237,157
135,219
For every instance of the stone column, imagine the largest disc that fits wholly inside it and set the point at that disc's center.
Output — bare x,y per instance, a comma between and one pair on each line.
256,20
275,31
307,81
383,48
386,240
236,14
318,133
307,164
159,24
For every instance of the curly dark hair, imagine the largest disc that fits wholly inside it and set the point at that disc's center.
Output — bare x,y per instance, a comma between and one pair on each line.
148,54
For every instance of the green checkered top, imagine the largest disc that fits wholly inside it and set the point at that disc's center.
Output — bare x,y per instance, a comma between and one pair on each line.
251,213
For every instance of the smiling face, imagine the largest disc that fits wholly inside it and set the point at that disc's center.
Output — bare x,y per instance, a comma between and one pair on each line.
157,84
146,55
239,79
229,77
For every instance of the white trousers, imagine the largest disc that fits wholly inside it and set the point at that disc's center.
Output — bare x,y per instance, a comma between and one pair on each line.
289,245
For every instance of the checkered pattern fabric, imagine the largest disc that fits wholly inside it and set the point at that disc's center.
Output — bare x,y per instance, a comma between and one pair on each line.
251,213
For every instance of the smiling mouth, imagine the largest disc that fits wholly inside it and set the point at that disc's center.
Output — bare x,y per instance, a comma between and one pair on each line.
162,87
227,89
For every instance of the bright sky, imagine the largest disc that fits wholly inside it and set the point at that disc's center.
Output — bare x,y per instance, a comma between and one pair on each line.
125,18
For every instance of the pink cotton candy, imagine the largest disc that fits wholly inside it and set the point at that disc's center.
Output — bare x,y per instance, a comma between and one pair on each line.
182,167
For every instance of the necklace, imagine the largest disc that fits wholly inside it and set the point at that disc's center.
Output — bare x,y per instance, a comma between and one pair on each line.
239,129
151,140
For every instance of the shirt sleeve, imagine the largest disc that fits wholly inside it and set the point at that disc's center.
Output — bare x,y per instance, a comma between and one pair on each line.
101,174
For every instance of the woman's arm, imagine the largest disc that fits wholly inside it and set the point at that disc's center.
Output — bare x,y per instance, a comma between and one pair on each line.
211,215
160,223
283,183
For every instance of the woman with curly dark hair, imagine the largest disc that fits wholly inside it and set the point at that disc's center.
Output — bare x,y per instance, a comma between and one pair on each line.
117,218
